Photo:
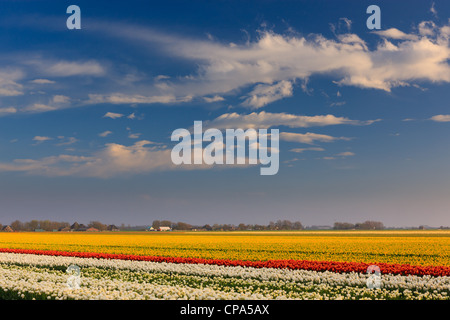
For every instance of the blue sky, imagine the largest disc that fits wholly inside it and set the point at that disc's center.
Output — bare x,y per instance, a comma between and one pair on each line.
86,115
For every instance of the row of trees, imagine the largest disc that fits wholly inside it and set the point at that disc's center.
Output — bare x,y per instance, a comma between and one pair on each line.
32,225
278,225
366,225
49,225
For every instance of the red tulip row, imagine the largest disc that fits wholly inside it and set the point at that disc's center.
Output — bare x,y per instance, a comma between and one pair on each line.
334,266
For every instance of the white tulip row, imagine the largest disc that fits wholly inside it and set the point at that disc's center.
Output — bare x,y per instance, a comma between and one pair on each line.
27,276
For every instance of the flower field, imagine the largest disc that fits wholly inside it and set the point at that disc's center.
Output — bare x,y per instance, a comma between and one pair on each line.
401,247
236,266
30,276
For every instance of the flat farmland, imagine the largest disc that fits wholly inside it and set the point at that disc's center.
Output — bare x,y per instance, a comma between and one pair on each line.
414,265
422,248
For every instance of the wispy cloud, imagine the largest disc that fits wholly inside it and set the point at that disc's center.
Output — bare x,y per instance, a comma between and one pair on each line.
216,98
274,58
41,139
309,137
39,107
119,98
264,94
134,135
115,159
8,82
266,120
7,111
65,141
301,150
433,9
105,134
441,118
394,33
65,68
113,115
60,99
42,81
345,154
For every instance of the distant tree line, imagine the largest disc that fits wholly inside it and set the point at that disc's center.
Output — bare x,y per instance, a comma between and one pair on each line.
32,225
366,225
48,225
278,225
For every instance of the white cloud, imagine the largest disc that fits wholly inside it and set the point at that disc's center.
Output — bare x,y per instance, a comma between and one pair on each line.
347,22
134,135
301,150
216,98
60,99
66,141
113,115
433,9
105,133
427,28
114,159
69,68
40,139
309,137
346,154
9,86
7,111
441,118
44,165
273,58
131,116
264,94
264,119
38,107
394,33
337,104
42,81
119,98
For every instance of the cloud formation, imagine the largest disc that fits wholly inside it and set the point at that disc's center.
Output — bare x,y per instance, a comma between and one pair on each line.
119,98
113,160
301,150
8,82
309,137
264,94
263,120
441,118
105,134
113,115
274,60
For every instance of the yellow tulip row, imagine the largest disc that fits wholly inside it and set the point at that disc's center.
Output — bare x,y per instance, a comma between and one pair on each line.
404,247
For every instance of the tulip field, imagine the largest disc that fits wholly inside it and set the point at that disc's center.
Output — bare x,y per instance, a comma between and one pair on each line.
323,265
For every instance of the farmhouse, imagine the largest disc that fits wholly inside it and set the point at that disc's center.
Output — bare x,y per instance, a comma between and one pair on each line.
7,229
81,227
92,230
164,229
112,227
